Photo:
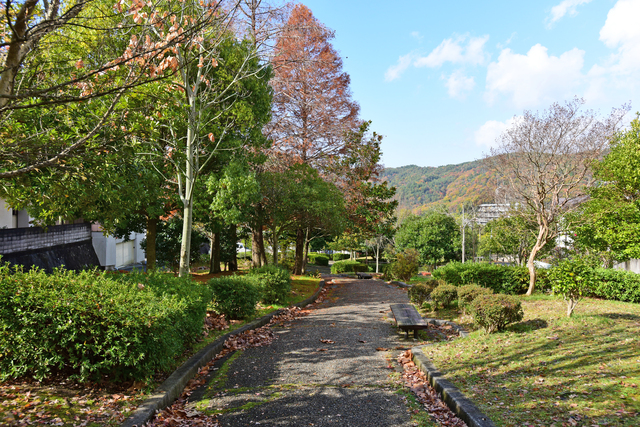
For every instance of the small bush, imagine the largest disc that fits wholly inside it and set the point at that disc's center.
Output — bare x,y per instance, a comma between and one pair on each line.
573,279
346,266
406,264
421,292
493,312
319,259
274,282
426,306
467,293
443,295
126,326
340,257
235,296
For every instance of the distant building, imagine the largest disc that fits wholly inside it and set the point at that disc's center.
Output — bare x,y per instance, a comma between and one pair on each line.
490,211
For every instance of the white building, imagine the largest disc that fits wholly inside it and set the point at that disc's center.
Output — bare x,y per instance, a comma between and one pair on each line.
112,253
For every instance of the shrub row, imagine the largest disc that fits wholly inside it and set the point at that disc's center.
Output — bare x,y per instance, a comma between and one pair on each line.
236,296
339,267
500,279
91,324
340,257
617,285
319,259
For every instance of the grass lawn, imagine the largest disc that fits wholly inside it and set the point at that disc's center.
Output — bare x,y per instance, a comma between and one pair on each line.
59,401
550,370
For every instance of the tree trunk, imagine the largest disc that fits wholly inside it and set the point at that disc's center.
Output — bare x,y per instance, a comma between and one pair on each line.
541,240
274,246
233,262
299,261
307,243
377,258
215,253
185,246
256,250
152,224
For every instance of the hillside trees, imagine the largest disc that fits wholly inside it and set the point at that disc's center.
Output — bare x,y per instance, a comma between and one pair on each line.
546,160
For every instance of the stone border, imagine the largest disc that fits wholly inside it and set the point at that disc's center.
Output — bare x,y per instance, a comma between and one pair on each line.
455,400
173,386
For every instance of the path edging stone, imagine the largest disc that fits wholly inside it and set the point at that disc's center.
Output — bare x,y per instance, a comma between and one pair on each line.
173,386
455,400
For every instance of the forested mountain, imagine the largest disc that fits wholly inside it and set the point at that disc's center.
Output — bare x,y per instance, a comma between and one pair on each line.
419,188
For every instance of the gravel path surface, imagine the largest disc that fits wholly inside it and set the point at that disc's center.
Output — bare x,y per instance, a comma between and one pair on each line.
301,381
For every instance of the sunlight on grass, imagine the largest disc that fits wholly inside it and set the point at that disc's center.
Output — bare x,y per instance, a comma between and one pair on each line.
550,369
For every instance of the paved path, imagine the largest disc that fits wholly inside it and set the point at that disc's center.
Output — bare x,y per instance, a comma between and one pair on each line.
293,383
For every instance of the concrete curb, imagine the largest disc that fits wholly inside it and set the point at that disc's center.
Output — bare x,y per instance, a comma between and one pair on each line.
173,386
455,400
400,284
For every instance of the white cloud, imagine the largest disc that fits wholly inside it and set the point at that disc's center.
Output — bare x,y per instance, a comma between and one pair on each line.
535,78
454,51
416,35
458,84
565,7
395,71
622,31
489,133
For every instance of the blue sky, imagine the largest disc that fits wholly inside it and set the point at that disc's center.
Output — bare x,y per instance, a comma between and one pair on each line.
441,79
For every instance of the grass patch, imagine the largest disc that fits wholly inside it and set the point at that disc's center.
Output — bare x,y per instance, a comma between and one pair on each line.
550,369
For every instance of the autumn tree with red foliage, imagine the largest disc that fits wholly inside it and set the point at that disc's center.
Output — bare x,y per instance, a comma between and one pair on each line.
312,106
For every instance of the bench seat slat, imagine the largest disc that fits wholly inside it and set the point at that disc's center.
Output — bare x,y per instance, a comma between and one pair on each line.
408,318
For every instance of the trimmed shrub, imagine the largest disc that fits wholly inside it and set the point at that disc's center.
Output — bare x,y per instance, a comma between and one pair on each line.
235,296
493,312
443,295
126,326
319,259
421,292
618,285
406,264
340,257
467,293
504,279
274,282
573,279
347,266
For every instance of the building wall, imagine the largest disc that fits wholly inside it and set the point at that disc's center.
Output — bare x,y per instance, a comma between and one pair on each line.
34,238
631,265
111,251
7,219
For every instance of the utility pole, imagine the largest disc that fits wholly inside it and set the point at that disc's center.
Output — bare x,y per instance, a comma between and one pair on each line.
463,227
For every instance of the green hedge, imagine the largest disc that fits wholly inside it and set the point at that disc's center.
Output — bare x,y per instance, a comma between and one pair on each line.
500,279
274,282
340,257
618,285
235,296
319,259
90,324
348,266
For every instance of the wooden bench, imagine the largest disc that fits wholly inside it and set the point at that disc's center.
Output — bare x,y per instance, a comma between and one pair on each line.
407,318
364,275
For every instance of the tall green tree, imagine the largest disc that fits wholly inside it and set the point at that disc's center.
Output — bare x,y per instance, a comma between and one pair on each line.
433,235
609,222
